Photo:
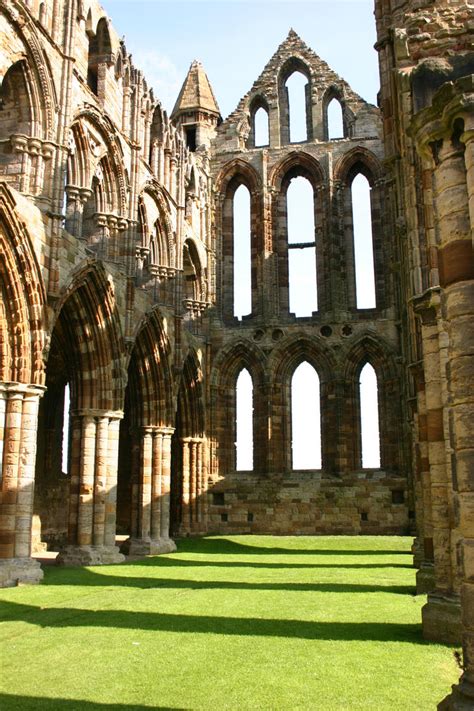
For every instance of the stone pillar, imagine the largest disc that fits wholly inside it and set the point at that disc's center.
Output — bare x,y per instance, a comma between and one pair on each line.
151,534
18,428
185,527
166,485
442,614
456,213
92,500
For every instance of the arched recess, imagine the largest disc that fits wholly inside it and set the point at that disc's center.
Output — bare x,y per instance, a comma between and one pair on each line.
230,362
23,154
234,175
156,257
333,94
299,165
360,161
390,395
259,135
87,354
22,299
292,65
145,434
194,288
188,459
286,358
97,185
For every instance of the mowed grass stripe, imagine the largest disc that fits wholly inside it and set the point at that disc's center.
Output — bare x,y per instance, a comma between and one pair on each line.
249,622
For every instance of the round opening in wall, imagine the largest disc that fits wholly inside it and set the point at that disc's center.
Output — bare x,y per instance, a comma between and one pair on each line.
326,331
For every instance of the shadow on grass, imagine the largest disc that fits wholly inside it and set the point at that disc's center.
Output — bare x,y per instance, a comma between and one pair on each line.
224,546
174,561
81,576
34,703
62,617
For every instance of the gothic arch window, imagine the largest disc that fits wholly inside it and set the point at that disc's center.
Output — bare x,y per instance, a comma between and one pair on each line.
295,102
244,421
305,418
364,267
259,123
100,56
369,281
302,281
238,221
369,418
241,220
335,119
66,429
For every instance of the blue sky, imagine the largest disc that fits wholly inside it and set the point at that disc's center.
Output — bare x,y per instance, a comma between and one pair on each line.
234,39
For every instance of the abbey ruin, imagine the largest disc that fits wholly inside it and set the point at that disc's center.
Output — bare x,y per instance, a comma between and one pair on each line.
117,287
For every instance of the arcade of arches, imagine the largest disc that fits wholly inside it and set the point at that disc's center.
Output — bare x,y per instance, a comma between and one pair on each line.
141,308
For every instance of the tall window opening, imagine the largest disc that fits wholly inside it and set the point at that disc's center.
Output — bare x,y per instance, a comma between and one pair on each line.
244,422
301,247
242,253
100,52
369,418
296,85
261,127
65,436
335,120
363,244
305,418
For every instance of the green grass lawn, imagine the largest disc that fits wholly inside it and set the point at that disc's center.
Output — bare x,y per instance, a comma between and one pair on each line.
241,622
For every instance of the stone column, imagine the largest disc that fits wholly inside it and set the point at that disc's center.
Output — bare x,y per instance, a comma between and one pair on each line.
441,615
166,485
186,491
151,535
92,500
456,215
18,424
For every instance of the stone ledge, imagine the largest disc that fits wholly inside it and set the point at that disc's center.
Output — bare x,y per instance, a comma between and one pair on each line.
19,571
139,547
89,555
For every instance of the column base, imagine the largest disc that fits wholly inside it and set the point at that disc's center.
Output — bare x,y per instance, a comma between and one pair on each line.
140,547
441,619
418,553
425,579
19,571
460,699
89,555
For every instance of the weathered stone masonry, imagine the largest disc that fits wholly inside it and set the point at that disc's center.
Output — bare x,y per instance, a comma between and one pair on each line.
117,275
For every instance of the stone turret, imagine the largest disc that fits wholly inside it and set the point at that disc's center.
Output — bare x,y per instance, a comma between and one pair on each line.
196,109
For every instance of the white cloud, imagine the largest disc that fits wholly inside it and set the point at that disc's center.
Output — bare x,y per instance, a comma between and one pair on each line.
161,74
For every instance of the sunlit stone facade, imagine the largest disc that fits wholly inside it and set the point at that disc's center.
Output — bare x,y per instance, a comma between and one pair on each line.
117,280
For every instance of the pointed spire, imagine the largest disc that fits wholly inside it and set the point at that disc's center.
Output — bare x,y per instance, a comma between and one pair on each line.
196,93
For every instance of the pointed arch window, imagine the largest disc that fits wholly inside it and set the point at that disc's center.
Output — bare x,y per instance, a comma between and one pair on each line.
242,252
369,418
303,298
305,418
260,127
363,243
65,433
100,53
244,421
297,87
335,121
